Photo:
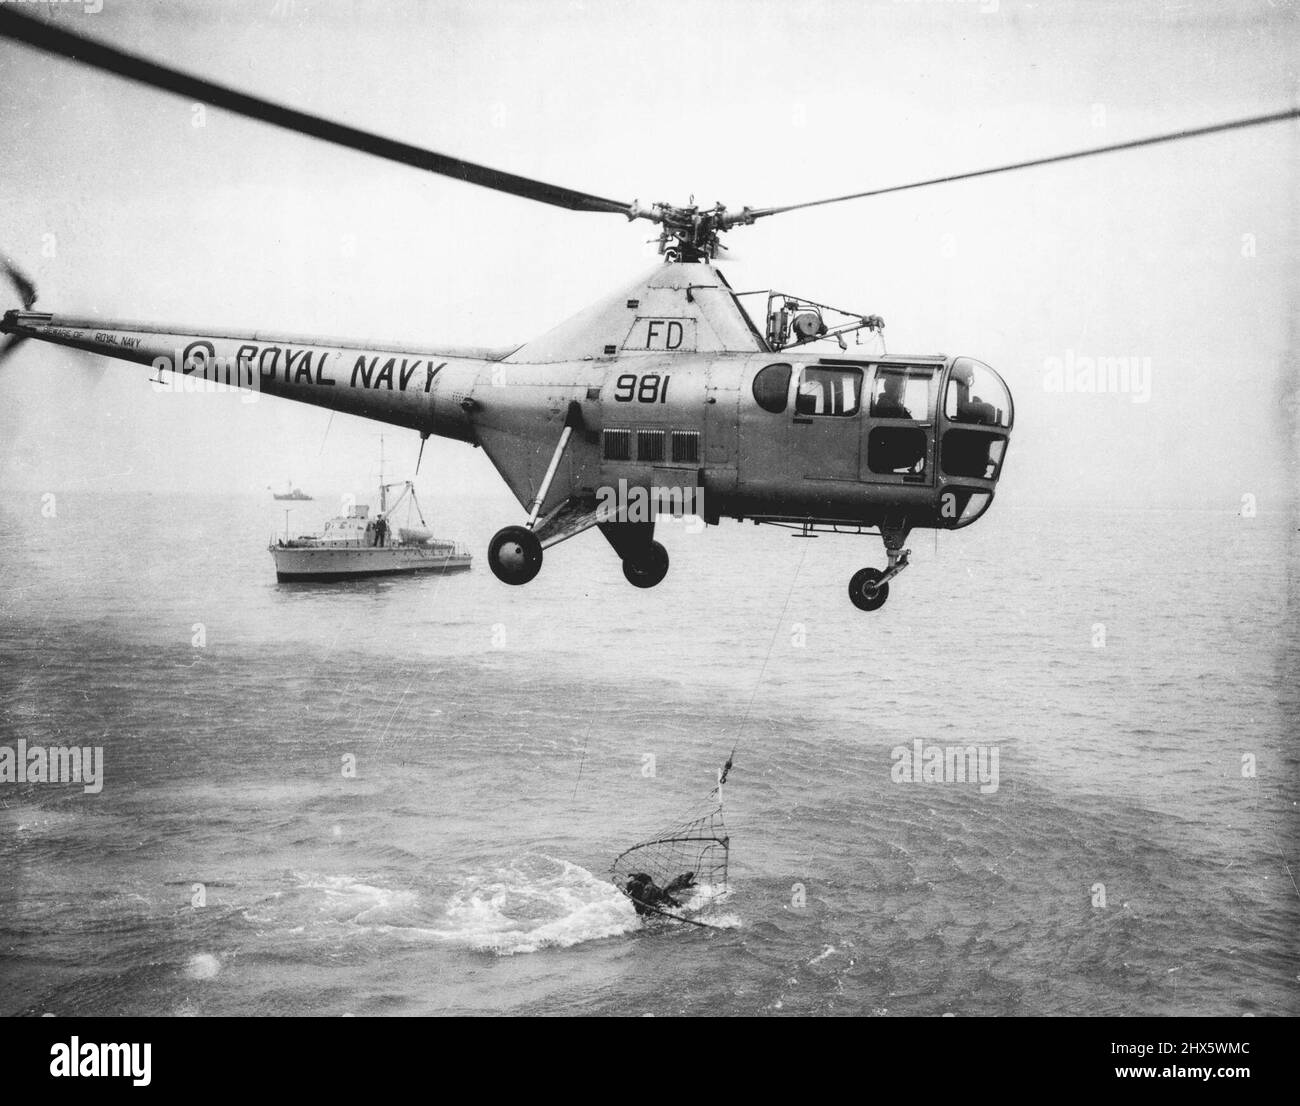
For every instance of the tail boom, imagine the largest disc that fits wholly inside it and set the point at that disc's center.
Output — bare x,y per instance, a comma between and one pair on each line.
420,389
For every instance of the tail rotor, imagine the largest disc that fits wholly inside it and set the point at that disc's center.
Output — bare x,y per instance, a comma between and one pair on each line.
26,290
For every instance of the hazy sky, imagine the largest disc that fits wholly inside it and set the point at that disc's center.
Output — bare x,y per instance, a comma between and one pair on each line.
1184,255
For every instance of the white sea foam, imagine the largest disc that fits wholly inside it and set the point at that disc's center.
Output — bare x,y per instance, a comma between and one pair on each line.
533,903
347,898
202,965
703,905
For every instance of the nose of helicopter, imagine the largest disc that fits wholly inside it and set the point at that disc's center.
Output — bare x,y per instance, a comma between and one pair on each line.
975,427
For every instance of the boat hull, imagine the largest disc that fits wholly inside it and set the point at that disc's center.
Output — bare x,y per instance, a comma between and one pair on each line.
324,565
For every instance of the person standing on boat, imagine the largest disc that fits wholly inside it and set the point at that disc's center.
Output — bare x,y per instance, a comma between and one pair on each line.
381,530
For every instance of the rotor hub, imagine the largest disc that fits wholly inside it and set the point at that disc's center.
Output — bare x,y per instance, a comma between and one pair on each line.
690,233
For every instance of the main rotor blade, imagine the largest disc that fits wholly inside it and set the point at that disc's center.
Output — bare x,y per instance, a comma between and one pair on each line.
65,44
1135,144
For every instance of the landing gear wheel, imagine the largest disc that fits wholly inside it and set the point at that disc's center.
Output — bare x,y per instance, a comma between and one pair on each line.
515,555
648,567
866,591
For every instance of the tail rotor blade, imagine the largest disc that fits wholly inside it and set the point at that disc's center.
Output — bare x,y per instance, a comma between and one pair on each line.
10,344
20,280
89,367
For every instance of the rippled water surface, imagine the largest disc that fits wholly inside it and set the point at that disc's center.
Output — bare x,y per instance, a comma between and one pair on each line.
1136,672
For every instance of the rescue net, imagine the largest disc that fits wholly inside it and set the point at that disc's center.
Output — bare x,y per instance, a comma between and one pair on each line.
680,872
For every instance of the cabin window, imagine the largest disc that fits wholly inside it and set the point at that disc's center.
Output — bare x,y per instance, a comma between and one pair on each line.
686,446
618,445
904,393
650,445
829,391
896,449
772,387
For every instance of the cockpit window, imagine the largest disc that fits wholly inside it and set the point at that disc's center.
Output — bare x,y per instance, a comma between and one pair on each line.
977,395
772,387
829,391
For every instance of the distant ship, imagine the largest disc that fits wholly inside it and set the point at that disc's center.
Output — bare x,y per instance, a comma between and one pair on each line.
354,545
292,493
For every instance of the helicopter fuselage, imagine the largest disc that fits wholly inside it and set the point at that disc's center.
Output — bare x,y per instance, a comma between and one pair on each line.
760,436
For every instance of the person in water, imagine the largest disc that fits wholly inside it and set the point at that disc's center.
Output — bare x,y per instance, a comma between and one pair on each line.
647,896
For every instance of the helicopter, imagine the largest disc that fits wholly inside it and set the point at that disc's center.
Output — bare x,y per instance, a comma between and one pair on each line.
665,397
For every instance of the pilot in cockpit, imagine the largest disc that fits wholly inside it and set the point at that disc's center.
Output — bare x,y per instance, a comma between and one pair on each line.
888,403
971,408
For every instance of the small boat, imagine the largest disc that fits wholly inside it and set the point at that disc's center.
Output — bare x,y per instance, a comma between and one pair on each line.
355,544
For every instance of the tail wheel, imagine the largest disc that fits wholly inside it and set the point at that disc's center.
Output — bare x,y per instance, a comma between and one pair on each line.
648,567
866,590
515,555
